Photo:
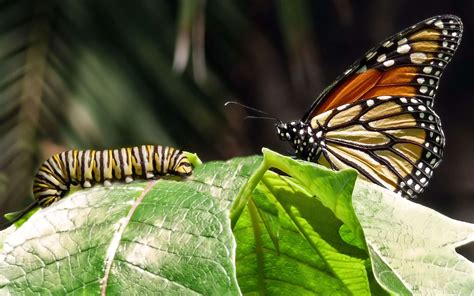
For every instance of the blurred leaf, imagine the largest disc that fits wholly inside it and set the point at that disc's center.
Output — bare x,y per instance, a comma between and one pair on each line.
191,27
296,25
27,32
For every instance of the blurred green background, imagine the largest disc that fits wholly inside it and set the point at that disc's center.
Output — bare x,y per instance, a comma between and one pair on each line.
105,74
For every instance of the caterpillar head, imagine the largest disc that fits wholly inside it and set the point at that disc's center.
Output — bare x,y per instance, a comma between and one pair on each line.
183,167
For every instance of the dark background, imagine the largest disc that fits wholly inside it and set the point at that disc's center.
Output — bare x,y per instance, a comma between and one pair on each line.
99,74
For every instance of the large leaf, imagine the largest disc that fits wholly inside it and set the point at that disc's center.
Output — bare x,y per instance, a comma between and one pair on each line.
411,246
296,233
164,236
300,235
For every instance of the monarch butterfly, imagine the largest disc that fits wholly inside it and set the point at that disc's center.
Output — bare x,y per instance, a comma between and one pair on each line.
86,168
377,117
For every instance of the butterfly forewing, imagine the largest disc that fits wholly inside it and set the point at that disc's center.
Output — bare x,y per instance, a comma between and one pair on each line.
409,63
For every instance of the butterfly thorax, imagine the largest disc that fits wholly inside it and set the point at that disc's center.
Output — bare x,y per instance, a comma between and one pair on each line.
306,141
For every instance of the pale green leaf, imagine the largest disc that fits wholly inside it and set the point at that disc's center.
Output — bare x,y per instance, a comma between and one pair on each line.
411,246
165,236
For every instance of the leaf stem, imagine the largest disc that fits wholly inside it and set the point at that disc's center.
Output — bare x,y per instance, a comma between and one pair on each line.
245,192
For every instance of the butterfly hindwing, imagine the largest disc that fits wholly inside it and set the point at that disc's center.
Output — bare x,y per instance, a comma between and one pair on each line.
409,63
393,141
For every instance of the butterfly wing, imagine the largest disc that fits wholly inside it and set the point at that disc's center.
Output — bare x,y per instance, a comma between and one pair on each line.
409,64
393,141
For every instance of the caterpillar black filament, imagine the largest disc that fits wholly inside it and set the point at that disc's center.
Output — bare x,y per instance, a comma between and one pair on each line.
86,168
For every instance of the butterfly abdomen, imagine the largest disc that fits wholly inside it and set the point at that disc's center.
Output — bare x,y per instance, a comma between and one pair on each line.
86,168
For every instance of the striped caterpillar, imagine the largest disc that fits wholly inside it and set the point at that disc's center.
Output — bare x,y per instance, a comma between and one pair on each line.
86,168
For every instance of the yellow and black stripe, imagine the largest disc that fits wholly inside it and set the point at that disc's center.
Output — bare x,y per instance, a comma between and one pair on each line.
89,167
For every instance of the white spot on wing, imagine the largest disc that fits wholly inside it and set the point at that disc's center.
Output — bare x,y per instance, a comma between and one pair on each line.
439,24
418,57
371,55
427,70
342,107
403,48
389,63
381,58
402,41
388,43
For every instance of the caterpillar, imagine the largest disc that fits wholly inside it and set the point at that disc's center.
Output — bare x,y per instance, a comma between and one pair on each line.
89,167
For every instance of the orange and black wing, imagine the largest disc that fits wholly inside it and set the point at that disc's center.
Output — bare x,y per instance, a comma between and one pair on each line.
409,64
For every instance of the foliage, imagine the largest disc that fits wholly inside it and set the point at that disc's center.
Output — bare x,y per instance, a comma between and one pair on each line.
305,230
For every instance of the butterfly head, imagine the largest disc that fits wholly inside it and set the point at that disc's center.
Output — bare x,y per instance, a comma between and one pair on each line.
300,136
288,131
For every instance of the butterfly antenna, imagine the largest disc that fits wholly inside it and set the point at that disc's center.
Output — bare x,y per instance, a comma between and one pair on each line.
259,117
252,109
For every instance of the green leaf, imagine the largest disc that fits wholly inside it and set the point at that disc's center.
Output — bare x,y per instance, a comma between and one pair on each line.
304,214
295,233
333,189
412,247
18,222
164,236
